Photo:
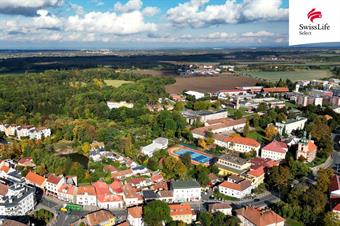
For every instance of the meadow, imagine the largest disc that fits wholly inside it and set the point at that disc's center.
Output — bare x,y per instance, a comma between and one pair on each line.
116,83
292,75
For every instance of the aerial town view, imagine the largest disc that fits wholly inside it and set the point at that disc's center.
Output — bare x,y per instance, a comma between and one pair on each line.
166,113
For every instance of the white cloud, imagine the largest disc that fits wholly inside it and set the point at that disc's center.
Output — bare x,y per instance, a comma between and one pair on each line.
197,13
110,23
27,7
131,5
78,9
151,11
258,34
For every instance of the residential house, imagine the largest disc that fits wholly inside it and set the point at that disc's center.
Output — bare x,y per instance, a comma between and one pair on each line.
53,183
223,207
306,150
186,190
236,187
336,211
122,174
35,179
135,216
26,162
67,193
181,212
334,190
256,176
290,125
131,196
86,196
275,150
238,144
166,196
275,90
157,144
232,164
105,198
99,218
259,217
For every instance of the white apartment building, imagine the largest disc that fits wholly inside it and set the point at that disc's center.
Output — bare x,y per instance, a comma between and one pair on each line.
67,193
16,197
186,190
290,125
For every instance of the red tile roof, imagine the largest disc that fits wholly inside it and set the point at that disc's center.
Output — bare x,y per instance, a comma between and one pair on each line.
256,172
135,181
276,90
266,163
116,186
335,183
5,168
109,168
35,179
99,217
180,209
276,146
311,146
157,178
86,189
241,186
67,189
242,140
26,160
260,217
53,179
136,212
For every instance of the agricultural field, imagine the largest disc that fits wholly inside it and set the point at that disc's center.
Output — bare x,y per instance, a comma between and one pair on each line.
210,84
292,75
116,83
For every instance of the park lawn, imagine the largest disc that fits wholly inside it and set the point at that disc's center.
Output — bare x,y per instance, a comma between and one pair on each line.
116,83
292,75
255,135
291,222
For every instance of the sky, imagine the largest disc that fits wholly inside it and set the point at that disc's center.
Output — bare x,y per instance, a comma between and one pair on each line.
142,24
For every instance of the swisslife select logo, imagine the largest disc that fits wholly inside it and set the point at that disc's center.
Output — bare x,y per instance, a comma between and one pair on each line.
314,21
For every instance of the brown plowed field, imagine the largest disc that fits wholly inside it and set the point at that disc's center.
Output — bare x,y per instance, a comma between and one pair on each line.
209,84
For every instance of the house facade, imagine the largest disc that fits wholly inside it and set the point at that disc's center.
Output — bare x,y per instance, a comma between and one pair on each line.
275,150
186,190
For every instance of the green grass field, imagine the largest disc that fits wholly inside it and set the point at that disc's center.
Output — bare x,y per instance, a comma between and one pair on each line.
116,83
292,75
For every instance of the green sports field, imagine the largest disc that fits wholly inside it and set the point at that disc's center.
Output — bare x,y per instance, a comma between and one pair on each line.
292,75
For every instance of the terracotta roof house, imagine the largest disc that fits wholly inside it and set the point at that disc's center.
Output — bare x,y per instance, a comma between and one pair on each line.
135,216
181,212
336,211
236,187
67,193
53,183
116,187
35,179
334,190
86,195
259,217
105,198
256,176
122,174
109,168
100,217
238,144
26,162
275,150
262,162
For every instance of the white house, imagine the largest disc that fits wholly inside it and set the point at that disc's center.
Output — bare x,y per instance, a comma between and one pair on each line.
236,187
239,144
275,150
195,94
290,125
106,199
186,190
135,216
251,216
67,193
157,144
224,208
86,196
53,183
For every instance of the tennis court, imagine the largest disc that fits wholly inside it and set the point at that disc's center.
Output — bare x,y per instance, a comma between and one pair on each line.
195,156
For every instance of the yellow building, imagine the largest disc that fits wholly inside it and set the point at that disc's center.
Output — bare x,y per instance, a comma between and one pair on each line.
181,212
232,164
